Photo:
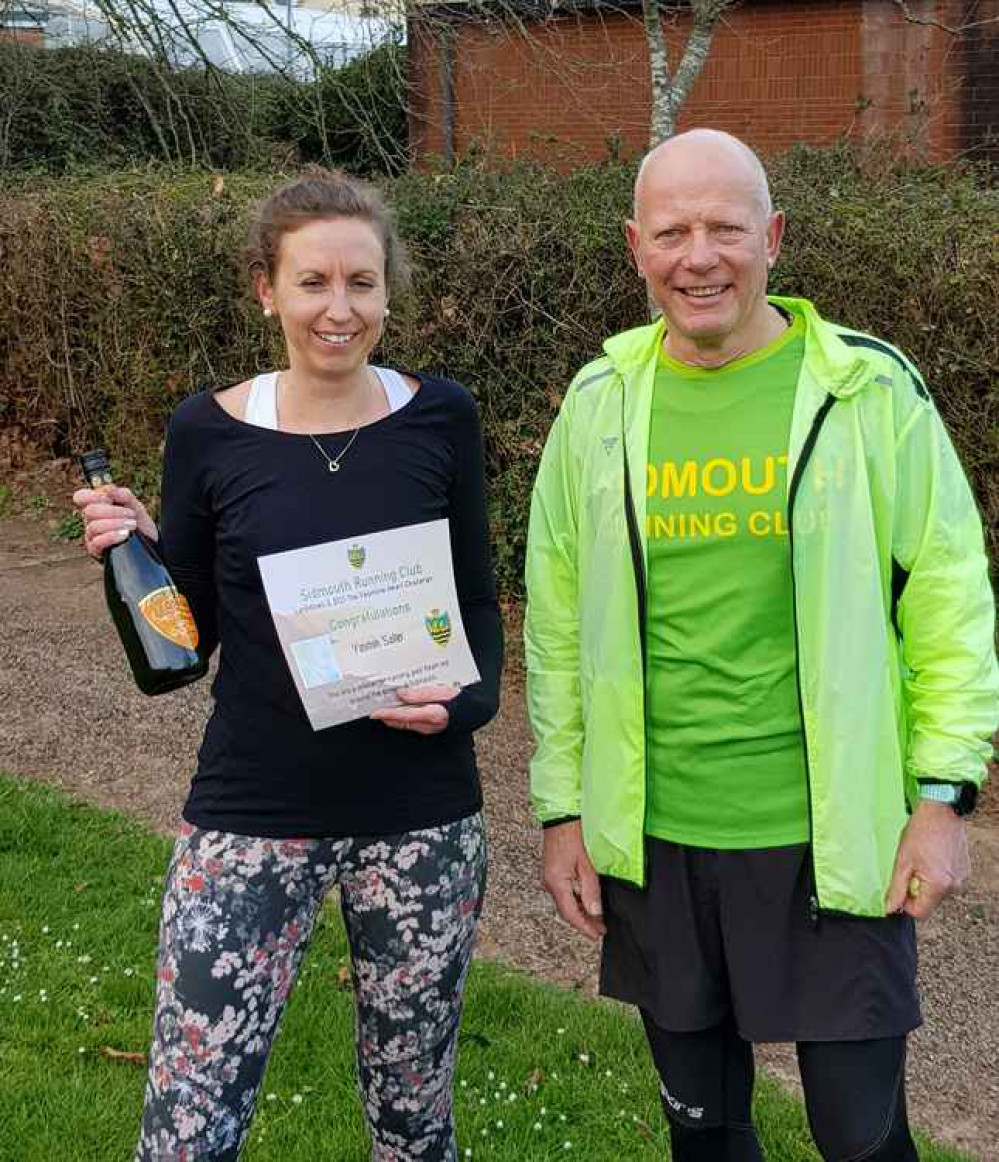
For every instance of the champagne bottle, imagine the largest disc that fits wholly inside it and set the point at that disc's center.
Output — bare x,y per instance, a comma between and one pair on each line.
153,619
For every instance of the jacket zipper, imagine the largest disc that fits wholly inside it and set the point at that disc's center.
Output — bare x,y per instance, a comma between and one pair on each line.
637,559
638,566
814,906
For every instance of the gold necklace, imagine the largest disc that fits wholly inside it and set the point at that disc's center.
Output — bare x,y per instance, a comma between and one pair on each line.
333,463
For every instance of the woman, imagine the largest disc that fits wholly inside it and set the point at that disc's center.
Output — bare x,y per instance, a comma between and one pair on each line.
388,807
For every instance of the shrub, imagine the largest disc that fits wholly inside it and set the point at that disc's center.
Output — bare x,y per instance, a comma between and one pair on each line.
102,109
120,294
353,117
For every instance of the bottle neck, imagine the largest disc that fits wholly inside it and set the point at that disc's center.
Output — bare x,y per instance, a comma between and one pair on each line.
96,468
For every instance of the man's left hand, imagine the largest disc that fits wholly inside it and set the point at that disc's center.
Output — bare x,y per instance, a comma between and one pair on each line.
932,860
423,709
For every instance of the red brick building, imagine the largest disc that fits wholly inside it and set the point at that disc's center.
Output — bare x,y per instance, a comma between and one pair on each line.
567,82
22,27
33,36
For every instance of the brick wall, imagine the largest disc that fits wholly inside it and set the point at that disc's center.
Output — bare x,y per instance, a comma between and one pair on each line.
977,62
33,36
780,71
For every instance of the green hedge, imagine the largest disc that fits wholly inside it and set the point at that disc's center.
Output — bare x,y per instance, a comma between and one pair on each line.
120,294
96,108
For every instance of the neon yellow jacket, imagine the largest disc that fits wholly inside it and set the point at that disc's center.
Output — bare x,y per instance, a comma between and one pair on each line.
893,612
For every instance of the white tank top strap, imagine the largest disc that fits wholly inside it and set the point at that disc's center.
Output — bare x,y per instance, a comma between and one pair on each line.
261,403
397,390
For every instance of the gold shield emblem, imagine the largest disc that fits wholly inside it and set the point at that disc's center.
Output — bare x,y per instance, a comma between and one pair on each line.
356,555
438,625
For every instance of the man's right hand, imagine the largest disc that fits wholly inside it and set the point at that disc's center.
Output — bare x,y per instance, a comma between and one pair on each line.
571,880
109,515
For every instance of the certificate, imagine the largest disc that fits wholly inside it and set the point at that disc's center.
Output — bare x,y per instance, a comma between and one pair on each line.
358,619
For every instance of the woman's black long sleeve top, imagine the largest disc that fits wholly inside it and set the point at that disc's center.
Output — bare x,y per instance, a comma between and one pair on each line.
233,492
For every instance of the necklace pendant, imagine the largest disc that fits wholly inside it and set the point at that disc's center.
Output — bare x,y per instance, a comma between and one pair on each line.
334,467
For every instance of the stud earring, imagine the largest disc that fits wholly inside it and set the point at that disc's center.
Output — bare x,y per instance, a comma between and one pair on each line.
268,313
387,312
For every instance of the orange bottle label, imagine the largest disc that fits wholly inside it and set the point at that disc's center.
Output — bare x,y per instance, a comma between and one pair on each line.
168,613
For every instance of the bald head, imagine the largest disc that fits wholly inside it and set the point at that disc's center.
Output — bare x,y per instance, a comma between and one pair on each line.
704,238
704,150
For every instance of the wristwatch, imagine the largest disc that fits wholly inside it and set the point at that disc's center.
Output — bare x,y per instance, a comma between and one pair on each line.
961,797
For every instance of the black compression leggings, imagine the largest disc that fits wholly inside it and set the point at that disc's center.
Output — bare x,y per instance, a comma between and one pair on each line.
854,1095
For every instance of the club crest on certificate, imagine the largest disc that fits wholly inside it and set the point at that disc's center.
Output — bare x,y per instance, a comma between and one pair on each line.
438,625
356,556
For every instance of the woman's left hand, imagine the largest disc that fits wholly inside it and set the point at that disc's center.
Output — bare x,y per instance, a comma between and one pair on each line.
423,709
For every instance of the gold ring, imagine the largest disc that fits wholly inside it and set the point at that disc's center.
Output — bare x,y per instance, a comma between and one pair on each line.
915,884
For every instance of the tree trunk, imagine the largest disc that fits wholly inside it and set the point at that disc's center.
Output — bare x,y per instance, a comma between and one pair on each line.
670,92
663,122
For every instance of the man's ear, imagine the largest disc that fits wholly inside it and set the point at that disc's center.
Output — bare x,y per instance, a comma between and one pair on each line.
775,235
632,234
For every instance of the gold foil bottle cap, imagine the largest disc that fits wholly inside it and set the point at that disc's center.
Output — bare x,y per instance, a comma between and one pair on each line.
96,468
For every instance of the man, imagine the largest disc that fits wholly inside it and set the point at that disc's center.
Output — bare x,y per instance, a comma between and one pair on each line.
761,672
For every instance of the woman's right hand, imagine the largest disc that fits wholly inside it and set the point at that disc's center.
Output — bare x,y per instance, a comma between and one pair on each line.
109,516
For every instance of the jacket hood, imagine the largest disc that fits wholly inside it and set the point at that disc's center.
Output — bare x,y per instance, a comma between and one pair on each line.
842,369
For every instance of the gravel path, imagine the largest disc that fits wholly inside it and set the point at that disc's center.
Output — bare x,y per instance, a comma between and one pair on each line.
70,716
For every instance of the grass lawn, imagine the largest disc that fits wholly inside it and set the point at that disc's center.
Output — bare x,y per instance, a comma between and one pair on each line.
542,1074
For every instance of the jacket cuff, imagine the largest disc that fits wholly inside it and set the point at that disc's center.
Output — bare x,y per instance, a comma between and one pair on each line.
560,820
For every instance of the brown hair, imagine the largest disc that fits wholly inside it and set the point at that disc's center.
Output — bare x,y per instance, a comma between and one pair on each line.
324,194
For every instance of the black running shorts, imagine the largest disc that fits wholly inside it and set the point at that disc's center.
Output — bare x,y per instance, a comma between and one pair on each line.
720,933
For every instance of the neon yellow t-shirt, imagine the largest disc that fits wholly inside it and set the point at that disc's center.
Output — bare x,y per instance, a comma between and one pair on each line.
726,764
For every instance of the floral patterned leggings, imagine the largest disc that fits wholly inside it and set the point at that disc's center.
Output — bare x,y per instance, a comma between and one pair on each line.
237,915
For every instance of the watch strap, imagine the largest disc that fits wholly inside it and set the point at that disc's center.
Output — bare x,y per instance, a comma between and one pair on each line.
961,797
940,792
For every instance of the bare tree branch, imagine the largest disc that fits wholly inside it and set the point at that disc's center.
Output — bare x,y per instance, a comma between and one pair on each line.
931,22
707,13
